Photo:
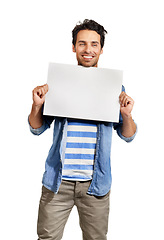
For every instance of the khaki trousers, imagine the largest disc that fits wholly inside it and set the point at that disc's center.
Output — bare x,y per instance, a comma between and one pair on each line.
54,210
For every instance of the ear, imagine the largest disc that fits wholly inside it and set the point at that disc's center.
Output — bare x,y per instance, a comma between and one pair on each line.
101,51
73,48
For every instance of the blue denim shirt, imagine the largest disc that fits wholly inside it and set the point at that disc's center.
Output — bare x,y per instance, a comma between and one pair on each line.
102,179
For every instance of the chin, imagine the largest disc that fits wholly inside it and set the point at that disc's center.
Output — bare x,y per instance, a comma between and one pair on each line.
87,64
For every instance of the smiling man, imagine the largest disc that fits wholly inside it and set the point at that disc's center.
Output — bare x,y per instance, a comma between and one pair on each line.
78,170
87,48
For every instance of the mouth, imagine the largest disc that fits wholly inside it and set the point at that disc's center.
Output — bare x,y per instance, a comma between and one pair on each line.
87,57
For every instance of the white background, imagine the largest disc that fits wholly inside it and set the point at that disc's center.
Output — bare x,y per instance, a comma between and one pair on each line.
36,32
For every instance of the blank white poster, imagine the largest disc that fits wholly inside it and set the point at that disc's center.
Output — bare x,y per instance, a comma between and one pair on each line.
83,93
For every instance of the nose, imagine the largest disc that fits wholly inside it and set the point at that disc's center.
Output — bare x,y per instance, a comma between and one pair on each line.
87,48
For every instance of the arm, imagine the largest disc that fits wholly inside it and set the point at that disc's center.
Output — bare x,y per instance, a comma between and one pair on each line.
126,106
36,116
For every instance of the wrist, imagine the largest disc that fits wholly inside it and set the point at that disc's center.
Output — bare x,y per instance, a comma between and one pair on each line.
36,108
36,117
127,116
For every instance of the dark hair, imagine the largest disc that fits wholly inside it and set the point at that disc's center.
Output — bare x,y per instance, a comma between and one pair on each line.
89,25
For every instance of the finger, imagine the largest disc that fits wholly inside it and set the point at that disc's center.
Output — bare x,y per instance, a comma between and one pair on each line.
45,88
128,100
37,91
125,102
40,90
121,97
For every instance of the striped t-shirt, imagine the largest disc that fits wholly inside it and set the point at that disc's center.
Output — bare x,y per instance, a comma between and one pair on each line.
80,151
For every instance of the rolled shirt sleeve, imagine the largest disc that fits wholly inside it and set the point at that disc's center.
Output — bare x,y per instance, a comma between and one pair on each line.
37,131
129,139
47,120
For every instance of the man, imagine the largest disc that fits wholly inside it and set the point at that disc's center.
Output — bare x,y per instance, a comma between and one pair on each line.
78,164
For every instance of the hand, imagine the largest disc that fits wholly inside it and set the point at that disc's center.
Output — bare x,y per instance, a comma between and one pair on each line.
126,104
39,95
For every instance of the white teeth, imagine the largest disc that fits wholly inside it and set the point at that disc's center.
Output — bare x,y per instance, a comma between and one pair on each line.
89,57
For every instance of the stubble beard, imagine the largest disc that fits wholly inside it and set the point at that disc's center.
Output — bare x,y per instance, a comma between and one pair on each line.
87,64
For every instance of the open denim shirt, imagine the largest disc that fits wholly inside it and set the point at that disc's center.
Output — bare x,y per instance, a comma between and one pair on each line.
102,179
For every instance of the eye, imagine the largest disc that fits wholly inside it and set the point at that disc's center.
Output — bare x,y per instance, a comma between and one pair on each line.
94,44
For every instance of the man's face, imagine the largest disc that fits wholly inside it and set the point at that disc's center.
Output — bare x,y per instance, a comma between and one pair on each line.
88,48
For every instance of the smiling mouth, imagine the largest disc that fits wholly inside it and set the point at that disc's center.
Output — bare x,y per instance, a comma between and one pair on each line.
87,57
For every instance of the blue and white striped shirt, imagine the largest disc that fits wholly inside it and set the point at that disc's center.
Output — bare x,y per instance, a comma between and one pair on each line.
80,151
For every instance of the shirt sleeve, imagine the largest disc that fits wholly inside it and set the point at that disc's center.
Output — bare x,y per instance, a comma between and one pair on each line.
118,129
118,126
47,120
